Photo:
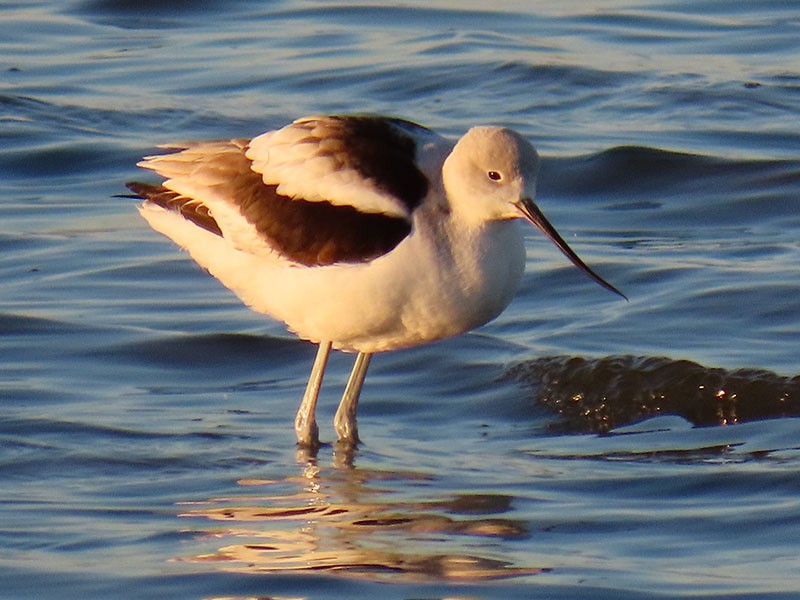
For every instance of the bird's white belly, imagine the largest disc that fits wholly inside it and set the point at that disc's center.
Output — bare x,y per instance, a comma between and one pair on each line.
419,292
411,296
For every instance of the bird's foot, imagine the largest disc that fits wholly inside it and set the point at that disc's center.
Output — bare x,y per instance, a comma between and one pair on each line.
347,429
307,433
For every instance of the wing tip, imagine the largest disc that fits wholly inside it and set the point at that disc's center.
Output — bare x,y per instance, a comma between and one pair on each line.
190,209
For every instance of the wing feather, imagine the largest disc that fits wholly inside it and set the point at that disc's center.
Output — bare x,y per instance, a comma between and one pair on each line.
365,162
320,191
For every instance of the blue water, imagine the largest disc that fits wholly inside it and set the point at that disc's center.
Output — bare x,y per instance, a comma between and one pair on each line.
577,447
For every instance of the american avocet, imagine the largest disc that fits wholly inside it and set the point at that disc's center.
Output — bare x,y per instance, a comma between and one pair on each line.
361,233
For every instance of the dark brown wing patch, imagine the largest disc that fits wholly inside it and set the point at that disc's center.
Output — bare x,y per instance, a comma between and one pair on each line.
320,233
382,151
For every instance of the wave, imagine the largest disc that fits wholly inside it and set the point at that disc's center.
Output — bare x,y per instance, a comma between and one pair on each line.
632,169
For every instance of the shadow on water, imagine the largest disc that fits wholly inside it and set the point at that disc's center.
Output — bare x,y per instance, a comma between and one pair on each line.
351,522
597,395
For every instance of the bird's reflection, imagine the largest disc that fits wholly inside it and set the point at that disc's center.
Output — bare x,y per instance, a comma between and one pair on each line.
363,523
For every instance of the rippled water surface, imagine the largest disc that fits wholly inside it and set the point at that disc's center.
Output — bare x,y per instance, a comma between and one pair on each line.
577,447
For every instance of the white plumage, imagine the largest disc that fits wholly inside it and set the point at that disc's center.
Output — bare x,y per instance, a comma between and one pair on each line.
363,234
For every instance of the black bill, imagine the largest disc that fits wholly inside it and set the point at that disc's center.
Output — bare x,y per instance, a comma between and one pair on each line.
533,215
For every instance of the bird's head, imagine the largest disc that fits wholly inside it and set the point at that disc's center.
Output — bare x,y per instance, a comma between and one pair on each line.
490,175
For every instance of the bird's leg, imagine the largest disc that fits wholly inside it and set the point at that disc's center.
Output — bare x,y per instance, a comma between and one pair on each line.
345,420
305,423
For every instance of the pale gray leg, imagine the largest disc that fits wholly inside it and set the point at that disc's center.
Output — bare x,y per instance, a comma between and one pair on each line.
305,423
345,420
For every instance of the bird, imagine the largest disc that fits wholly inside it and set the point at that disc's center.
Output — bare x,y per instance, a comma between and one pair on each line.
362,233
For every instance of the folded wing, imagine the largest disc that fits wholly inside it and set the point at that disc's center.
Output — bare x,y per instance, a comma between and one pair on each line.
320,191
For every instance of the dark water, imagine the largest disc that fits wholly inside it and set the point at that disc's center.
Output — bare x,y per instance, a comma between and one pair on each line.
577,447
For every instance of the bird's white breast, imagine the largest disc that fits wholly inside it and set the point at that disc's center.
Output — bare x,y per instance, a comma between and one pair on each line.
442,280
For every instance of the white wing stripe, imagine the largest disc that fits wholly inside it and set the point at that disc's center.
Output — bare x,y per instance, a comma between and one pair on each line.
315,159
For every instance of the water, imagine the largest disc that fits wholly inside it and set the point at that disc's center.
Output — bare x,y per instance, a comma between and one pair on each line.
565,450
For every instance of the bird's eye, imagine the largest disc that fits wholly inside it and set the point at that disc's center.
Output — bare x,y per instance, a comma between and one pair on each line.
494,175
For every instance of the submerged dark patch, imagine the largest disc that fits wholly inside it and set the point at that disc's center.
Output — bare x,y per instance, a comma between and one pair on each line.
596,395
